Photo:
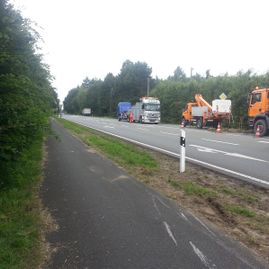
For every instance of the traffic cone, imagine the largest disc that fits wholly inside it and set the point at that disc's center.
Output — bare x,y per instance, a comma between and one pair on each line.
218,128
258,132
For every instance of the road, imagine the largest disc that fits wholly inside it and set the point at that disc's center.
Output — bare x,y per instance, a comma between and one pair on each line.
107,219
238,155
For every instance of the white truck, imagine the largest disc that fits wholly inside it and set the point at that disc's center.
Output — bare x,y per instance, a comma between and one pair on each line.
147,110
86,112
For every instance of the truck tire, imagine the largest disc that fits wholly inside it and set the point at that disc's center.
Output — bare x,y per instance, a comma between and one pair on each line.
199,123
262,126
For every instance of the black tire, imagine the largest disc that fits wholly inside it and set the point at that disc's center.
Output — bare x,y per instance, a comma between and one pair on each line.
262,126
199,123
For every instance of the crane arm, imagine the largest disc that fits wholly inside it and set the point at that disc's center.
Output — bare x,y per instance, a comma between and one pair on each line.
202,102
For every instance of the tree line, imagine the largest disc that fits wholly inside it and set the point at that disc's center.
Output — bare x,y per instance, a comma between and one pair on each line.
174,92
27,97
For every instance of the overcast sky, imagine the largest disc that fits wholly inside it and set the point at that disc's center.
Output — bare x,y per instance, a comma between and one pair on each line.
94,37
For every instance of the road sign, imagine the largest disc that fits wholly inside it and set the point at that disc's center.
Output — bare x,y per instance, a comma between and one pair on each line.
223,96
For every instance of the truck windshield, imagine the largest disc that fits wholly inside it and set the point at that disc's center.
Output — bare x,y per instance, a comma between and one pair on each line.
152,107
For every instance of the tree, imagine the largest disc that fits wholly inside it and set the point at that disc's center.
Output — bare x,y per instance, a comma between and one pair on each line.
178,74
26,95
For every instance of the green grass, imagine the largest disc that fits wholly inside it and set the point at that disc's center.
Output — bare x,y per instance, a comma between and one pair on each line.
123,153
249,198
192,188
239,210
19,215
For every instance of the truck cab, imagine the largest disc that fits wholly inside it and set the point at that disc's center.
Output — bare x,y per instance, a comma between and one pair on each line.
147,110
258,110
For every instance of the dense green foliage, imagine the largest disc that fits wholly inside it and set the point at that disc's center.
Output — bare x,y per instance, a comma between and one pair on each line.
26,95
174,92
102,96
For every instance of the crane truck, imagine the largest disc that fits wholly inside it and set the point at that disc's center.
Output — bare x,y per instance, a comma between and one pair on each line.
258,110
202,114
147,110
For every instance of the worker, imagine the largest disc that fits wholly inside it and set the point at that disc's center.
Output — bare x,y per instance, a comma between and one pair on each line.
131,117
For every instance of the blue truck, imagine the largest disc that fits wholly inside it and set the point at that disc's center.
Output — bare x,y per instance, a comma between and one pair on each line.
122,110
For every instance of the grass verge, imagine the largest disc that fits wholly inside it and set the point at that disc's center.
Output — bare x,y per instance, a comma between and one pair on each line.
239,209
124,154
20,220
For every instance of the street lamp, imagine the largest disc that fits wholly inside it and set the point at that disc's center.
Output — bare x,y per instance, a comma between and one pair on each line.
148,79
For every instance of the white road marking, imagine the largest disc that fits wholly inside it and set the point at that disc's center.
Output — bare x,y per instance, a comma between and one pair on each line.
108,126
119,178
155,205
167,127
162,202
262,141
169,133
203,224
219,168
167,227
183,216
206,262
233,154
143,129
218,141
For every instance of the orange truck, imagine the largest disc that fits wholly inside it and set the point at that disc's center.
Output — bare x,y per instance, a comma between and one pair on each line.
202,114
258,110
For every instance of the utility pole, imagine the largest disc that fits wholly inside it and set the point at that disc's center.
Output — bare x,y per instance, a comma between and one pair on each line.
110,109
191,71
148,86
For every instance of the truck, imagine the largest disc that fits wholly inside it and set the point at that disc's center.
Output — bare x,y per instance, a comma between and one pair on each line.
202,114
122,110
258,110
86,111
147,110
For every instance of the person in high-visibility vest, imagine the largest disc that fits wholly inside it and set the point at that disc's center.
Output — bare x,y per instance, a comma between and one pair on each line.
131,117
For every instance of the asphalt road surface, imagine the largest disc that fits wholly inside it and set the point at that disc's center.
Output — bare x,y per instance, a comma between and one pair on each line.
109,220
238,155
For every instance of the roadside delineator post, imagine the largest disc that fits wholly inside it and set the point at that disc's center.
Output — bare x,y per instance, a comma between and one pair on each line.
182,151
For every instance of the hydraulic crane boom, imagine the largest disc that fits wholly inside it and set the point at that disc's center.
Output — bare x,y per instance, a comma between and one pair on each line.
202,102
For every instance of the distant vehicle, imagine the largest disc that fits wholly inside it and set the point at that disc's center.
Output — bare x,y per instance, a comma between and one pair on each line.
122,110
86,111
147,110
202,114
258,110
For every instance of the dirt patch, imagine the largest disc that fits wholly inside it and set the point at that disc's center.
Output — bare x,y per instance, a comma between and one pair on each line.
237,208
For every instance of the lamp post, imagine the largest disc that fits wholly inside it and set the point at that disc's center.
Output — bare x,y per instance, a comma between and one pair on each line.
148,79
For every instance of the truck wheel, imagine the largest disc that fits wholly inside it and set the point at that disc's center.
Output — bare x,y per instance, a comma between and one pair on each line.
262,127
199,123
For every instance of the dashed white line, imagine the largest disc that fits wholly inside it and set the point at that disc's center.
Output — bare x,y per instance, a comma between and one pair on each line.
206,262
221,142
142,129
168,133
167,227
262,141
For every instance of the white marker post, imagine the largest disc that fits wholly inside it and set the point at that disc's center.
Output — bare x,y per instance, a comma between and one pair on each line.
182,151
